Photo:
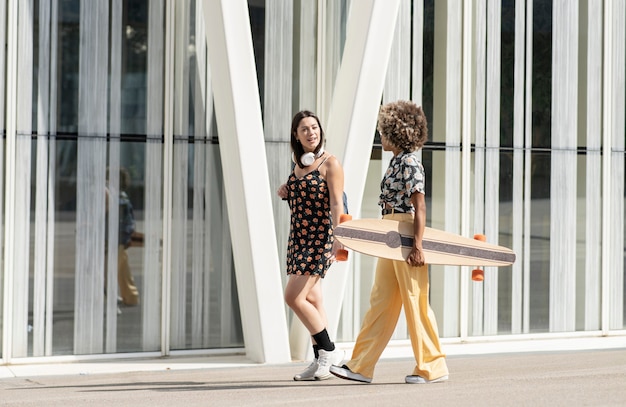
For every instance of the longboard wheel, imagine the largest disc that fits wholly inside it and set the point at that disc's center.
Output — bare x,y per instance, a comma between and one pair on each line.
478,275
342,254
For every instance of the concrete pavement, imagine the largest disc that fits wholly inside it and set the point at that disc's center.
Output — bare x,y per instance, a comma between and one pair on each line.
574,377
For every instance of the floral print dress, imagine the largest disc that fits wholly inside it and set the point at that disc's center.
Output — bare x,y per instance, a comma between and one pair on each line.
311,234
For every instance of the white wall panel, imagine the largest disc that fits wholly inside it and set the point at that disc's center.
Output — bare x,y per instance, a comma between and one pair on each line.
480,55
180,171
617,131
563,167
113,180
21,198
52,126
492,159
156,125
398,70
199,272
90,211
40,270
446,127
517,227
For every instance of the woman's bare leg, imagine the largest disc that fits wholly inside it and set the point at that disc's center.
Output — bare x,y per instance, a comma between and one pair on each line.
303,295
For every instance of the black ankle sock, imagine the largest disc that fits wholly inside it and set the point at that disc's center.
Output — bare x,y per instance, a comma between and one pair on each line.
323,341
316,351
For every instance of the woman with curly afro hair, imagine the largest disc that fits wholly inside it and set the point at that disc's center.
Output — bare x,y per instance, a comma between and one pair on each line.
403,130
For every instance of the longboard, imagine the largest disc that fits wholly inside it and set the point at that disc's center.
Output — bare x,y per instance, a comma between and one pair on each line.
392,239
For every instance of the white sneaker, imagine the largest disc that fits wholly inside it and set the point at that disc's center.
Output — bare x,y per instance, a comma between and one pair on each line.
308,373
326,360
411,379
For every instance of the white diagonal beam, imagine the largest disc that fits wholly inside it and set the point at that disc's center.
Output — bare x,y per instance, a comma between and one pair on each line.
354,113
248,198
358,90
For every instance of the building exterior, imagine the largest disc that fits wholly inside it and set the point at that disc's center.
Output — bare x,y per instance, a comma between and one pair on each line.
194,98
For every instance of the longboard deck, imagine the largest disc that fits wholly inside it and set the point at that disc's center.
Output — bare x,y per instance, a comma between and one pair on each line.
393,240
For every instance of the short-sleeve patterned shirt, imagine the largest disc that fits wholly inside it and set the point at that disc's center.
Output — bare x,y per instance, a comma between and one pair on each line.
404,176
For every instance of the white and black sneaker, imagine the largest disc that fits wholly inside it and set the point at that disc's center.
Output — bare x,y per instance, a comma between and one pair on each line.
344,372
326,360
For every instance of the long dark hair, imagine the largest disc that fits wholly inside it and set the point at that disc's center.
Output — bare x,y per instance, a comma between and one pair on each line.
296,147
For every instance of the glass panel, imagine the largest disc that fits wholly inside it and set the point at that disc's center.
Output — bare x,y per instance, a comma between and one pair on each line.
505,238
623,158
205,304
114,319
507,65
429,60
540,168
542,73
540,243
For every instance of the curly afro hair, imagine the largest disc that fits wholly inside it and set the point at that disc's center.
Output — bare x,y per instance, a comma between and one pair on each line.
403,124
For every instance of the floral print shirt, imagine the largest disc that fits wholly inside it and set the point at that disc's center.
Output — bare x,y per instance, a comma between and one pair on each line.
404,176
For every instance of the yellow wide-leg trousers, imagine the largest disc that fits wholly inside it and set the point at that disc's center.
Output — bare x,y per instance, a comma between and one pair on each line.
398,285
126,282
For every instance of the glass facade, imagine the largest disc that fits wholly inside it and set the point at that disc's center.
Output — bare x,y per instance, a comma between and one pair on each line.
109,102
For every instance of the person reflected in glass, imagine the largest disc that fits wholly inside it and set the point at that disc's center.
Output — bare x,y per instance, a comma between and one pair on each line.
127,237
400,284
314,191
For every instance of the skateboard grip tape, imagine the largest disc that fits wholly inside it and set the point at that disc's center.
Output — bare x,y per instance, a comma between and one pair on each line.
342,254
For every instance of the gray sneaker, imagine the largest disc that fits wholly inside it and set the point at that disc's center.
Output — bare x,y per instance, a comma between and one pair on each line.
420,380
344,372
326,360
308,373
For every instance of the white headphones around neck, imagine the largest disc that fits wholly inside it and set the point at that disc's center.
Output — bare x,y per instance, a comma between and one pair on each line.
309,158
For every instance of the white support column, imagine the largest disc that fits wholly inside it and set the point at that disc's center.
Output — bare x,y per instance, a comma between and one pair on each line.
155,301
492,160
475,325
9,192
246,180
517,210
617,97
21,195
445,127
466,141
607,142
563,168
589,308
41,183
528,143
354,112
517,285
398,69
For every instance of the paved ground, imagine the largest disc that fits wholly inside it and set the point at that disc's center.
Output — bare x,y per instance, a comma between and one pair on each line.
569,378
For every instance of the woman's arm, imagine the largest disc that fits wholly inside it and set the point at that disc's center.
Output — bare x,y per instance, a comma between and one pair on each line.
334,179
416,257
282,192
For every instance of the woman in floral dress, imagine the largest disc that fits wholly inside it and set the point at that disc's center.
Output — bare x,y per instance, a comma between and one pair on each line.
314,192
